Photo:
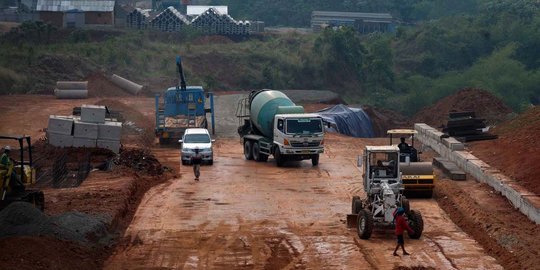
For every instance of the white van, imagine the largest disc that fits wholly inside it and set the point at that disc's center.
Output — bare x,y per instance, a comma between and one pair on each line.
196,138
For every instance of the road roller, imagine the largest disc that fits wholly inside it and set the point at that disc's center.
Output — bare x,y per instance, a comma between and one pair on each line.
417,175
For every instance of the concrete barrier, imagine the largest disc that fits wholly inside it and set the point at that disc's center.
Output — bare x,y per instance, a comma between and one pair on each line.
449,148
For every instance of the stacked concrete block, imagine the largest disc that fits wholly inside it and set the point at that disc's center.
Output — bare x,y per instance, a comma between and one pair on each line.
109,134
84,142
138,18
528,204
59,131
169,20
85,130
90,130
60,140
59,124
93,113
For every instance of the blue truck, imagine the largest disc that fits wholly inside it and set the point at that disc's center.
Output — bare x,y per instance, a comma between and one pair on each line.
182,107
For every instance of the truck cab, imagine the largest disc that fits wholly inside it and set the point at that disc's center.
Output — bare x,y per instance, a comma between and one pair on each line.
299,134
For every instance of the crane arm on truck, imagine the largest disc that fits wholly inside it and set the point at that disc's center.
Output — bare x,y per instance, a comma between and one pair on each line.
180,70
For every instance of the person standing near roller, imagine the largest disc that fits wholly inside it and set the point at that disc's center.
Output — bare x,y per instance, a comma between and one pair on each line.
196,160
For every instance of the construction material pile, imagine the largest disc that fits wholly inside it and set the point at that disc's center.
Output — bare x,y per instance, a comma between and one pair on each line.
90,130
485,105
210,22
138,18
466,127
169,20
140,160
71,90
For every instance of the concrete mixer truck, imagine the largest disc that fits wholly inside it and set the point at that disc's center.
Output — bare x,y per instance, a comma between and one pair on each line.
271,124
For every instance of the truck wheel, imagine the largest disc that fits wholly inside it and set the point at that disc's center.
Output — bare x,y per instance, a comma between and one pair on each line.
247,150
365,224
356,205
416,223
256,152
315,160
405,204
279,159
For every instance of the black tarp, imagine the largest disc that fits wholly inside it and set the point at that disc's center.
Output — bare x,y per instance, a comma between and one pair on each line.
352,122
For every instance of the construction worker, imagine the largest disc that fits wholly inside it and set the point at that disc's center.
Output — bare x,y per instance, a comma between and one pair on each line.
403,146
196,160
401,225
5,164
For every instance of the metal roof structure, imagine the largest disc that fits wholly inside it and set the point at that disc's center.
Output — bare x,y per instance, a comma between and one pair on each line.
80,5
193,10
352,15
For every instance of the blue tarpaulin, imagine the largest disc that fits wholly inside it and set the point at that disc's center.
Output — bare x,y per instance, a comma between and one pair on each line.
352,122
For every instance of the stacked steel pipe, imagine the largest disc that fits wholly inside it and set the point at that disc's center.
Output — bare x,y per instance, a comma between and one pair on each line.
212,22
169,20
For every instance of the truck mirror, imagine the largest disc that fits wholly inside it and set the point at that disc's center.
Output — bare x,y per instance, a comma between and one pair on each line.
359,162
179,141
213,140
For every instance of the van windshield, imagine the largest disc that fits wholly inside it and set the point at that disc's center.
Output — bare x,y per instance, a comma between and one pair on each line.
304,126
197,138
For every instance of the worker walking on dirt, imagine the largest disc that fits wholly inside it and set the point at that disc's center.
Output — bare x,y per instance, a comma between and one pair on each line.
196,160
401,225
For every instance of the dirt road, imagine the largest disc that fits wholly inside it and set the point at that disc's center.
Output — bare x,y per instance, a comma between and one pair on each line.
244,214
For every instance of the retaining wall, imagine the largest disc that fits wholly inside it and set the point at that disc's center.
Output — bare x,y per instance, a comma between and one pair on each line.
450,148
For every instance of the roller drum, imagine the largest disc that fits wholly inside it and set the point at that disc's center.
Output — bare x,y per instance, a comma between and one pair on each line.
416,168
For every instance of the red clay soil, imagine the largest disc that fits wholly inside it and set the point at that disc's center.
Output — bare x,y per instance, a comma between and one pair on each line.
485,104
46,253
516,152
100,86
491,220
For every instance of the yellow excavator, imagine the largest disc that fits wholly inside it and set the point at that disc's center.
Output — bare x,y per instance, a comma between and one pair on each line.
17,175
418,177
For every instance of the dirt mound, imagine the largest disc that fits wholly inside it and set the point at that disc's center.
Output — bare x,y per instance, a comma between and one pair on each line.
140,160
51,68
23,219
137,129
100,86
383,120
485,104
516,151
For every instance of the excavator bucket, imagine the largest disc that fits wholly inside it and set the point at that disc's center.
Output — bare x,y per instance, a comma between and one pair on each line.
418,179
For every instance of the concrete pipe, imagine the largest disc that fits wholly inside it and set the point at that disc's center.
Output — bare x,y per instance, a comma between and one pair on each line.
128,85
70,94
71,85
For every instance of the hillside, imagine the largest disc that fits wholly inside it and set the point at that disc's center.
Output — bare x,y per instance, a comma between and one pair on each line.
516,151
